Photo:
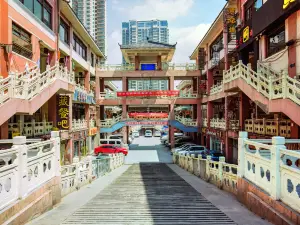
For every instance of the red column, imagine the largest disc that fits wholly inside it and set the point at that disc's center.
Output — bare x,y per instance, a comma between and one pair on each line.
124,84
159,62
4,62
137,62
228,151
225,42
87,80
292,35
244,110
210,80
171,83
124,115
294,130
171,129
4,130
209,117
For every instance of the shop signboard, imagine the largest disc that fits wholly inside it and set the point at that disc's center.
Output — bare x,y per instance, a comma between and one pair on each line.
83,97
230,21
201,59
135,123
148,115
93,131
147,93
62,102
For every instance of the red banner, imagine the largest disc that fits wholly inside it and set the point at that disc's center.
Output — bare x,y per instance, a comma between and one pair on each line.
146,93
148,115
134,123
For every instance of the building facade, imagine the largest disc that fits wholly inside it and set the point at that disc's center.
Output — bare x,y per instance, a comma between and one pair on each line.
54,74
147,84
139,31
249,69
92,13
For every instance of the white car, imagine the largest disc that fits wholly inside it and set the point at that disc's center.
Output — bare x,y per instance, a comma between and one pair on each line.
135,134
148,133
157,134
185,146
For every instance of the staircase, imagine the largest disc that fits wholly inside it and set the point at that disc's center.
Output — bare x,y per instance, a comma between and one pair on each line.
271,91
26,92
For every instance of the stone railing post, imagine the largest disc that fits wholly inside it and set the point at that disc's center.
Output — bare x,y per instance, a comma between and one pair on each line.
19,142
284,84
241,153
277,144
56,144
221,163
208,160
90,174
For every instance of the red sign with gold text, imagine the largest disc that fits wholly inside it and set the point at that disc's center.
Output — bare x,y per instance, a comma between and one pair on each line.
148,115
134,123
146,93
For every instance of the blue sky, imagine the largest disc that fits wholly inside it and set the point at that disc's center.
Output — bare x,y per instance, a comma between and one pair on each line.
188,22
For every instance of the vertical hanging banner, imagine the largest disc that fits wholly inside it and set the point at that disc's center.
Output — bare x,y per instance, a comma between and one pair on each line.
201,59
63,113
230,22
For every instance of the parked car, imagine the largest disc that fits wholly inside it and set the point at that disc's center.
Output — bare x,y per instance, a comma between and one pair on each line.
157,133
135,134
110,149
215,155
196,150
181,141
115,142
148,133
185,146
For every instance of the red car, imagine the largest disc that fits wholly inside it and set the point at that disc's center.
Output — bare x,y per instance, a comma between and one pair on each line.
110,149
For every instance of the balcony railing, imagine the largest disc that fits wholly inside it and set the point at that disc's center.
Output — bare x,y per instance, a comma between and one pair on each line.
183,84
218,123
79,125
272,127
30,129
184,94
217,88
234,124
110,122
188,94
186,121
169,66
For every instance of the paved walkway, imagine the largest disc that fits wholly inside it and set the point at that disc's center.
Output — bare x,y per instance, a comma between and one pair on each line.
149,193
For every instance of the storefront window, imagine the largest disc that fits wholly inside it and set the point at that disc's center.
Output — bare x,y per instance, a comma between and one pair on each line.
21,41
276,41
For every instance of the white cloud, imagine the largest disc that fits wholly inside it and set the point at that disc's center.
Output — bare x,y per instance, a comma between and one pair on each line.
160,9
187,40
114,56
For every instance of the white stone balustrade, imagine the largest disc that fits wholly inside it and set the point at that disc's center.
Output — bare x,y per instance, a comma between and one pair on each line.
93,123
264,162
110,122
271,84
79,174
217,88
108,95
30,129
186,121
28,85
79,124
218,123
234,124
269,165
25,167
184,83
82,89
165,66
188,94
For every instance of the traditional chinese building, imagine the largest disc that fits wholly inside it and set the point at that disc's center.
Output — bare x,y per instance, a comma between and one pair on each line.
250,75
48,64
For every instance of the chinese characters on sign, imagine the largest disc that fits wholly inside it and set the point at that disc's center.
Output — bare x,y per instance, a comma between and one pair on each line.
146,93
230,23
201,58
286,3
134,123
63,112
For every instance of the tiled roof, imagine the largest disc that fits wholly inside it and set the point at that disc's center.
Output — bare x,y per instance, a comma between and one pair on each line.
148,44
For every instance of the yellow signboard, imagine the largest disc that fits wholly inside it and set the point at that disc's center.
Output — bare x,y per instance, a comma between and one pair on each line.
286,3
246,34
